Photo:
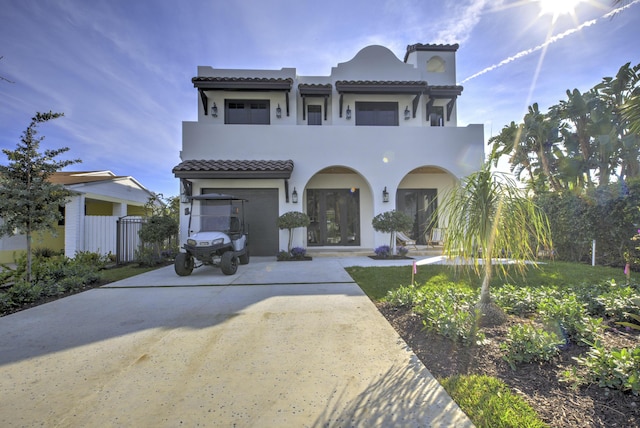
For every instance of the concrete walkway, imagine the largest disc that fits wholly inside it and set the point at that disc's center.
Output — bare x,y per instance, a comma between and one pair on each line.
294,344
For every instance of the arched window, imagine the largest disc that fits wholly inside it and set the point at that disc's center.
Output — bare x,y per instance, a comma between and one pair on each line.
435,64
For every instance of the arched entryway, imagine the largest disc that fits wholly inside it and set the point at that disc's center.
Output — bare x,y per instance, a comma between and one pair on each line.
417,195
334,198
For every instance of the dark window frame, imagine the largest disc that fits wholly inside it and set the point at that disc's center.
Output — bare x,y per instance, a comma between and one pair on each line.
377,113
247,112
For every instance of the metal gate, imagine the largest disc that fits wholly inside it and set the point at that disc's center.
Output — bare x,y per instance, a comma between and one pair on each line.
128,241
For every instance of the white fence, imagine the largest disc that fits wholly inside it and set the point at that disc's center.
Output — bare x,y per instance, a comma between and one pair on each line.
101,236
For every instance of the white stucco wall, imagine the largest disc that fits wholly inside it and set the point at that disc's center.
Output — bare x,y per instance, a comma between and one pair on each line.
380,156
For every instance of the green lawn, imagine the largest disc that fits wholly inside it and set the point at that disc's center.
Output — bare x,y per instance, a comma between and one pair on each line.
377,281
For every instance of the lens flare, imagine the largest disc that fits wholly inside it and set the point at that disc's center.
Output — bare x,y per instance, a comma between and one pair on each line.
555,8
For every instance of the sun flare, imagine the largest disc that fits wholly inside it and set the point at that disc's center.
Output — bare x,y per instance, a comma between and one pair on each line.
556,8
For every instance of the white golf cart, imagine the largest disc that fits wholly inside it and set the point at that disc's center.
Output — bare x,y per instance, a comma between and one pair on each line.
216,235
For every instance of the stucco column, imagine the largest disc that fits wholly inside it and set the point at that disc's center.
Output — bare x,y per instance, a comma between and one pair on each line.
74,226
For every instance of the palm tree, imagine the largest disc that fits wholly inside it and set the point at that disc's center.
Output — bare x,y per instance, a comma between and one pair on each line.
487,214
541,133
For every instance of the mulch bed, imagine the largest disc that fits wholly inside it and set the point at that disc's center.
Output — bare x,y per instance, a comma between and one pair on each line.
557,403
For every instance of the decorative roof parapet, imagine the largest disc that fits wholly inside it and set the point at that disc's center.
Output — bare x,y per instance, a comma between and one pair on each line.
430,48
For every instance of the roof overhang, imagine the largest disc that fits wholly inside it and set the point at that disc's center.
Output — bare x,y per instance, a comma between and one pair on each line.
314,90
450,92
242,169
416,88
244,84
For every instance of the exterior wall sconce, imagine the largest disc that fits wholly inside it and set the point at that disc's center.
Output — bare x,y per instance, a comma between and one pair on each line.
348,113
407,113
294,196
214,110
278,112
385,195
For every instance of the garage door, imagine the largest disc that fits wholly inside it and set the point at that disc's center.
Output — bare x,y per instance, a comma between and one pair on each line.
261,214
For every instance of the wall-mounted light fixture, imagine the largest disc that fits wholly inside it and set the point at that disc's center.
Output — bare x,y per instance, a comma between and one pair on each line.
385,195
348,113
294,196
278,112
407,113
214,110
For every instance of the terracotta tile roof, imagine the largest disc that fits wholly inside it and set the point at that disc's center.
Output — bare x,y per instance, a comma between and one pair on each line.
209,168
379,86
242,83
317,89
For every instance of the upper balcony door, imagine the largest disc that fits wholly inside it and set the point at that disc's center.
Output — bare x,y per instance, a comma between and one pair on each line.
314,115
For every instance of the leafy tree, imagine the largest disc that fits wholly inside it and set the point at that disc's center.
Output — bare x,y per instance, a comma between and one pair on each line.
583,142
488,215
292,220
28,201
391,222
162,222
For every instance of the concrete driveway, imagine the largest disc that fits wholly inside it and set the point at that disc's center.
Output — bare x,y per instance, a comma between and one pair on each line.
294,344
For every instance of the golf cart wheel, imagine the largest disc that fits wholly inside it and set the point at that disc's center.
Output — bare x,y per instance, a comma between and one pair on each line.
244,259
183,264
229,263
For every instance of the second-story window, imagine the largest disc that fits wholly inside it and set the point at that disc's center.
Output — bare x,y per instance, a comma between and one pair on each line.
314,115
436,118
247,112
376,113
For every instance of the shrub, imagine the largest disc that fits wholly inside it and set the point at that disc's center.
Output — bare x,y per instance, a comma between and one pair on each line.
526,343
615,368
522,300
22,292
383,251
292,220
283,255
449,311
572,317
298,252
147,256
45,252
392,221
405,295
403,251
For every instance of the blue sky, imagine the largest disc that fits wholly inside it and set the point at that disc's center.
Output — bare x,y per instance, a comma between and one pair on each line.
121,70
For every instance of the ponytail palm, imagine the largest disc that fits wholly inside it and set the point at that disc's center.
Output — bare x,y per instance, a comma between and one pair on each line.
488,216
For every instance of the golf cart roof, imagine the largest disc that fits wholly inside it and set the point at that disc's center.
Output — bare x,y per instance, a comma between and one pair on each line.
217,197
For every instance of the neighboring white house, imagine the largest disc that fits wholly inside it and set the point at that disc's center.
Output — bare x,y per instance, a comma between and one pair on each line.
377,134
99,199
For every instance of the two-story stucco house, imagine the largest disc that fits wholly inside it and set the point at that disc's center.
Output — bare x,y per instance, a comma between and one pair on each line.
377,134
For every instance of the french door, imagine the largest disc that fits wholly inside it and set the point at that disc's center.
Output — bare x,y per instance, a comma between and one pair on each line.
335,217
420,205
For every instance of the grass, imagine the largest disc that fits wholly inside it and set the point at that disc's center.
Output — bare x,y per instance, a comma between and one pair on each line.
123,272
377,281
490,403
